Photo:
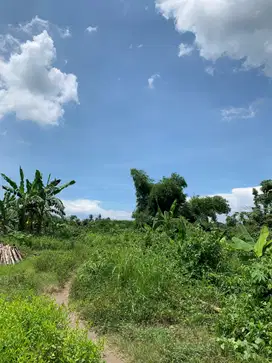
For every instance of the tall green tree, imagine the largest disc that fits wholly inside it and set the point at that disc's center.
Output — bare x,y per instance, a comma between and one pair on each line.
164,193
143,185
151,196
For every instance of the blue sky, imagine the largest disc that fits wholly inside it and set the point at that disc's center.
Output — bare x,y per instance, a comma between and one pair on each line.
160,85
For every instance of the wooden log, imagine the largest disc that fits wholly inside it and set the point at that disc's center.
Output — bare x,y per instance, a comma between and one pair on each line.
9,255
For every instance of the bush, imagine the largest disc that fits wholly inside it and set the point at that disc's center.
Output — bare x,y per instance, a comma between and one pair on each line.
246,326
34,330
246,322
201,252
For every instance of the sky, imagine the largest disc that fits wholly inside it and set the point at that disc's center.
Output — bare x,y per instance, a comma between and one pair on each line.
90,89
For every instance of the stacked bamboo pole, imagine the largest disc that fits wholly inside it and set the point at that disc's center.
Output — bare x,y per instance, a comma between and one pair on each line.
9,255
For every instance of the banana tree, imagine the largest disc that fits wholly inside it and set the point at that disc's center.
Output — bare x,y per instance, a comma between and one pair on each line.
7,213
248,245
18,192
170,224
51,205
35,202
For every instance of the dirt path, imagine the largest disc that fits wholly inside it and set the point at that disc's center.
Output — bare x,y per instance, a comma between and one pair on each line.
62,298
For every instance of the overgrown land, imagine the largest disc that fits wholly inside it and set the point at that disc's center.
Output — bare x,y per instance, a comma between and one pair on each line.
173,285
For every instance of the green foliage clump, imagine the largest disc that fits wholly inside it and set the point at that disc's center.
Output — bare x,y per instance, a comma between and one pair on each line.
246,321
201,252
201,209
33,329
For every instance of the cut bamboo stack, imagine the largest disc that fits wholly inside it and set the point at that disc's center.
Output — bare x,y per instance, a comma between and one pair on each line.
9,255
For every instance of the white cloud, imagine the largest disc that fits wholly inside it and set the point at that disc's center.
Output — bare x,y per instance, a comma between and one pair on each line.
232,113
140,46
35,25
84,207
8,43
3,133
31,87
92,29
240,199
152,79
238,29
185,49
64,33
210,70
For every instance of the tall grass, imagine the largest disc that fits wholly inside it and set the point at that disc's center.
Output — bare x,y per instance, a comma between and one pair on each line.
128,284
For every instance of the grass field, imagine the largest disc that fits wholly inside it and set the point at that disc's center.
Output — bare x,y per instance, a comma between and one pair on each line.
136,289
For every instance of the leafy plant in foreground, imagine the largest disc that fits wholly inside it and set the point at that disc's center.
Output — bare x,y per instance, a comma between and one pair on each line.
259,247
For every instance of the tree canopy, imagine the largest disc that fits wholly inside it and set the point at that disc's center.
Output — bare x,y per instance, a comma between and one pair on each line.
151,197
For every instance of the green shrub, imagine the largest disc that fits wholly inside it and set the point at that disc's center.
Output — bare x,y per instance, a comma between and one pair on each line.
246,326
201,252
246,322
34,330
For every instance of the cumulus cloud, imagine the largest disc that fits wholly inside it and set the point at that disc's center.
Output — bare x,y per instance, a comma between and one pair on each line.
185,49
240,199
31,87
239,29
232,113
84,207
92,29
152,79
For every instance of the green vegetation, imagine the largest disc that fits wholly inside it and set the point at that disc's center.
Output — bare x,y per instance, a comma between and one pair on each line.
175,285
32,329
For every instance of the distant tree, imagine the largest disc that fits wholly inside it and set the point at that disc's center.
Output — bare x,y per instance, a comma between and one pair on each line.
99,217
202,208
151,196
143,185
165,193
91,217
73,218
262,210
